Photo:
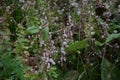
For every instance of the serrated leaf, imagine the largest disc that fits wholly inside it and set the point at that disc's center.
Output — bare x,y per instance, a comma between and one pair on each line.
109,71
32,30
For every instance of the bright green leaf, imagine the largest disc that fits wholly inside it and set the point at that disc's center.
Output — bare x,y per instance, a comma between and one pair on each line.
32,30
76,46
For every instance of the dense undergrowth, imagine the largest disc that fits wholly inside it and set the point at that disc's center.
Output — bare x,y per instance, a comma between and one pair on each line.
59,39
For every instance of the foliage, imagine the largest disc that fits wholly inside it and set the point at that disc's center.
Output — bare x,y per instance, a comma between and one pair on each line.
112,36
109,71
11,67
76,46
59,39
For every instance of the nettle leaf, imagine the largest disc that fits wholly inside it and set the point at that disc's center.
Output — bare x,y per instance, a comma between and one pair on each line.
45,33
76,46
112,36
109,71
32,30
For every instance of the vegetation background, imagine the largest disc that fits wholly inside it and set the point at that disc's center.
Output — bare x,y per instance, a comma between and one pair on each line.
59,39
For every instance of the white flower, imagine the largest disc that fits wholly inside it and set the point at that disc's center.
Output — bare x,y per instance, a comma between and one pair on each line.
52,61
62,49
92,33
116,60
92,13
64,35
91,28
21,1
63,52
74,4
61,59
89,12
103,36
62,10
115,31
56,18
71,33
55,51
64,43
78,12
47,60
7,8
42,43
24,7
118,6
48,65
64,59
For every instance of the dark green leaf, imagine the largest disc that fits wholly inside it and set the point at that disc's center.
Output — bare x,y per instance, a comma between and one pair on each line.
112,36
109,71
70,75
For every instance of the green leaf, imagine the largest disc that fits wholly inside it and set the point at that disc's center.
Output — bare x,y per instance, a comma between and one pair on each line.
81,75
70,75
99,43
11,67
45,33
109,71
32,30
76,46
112,36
